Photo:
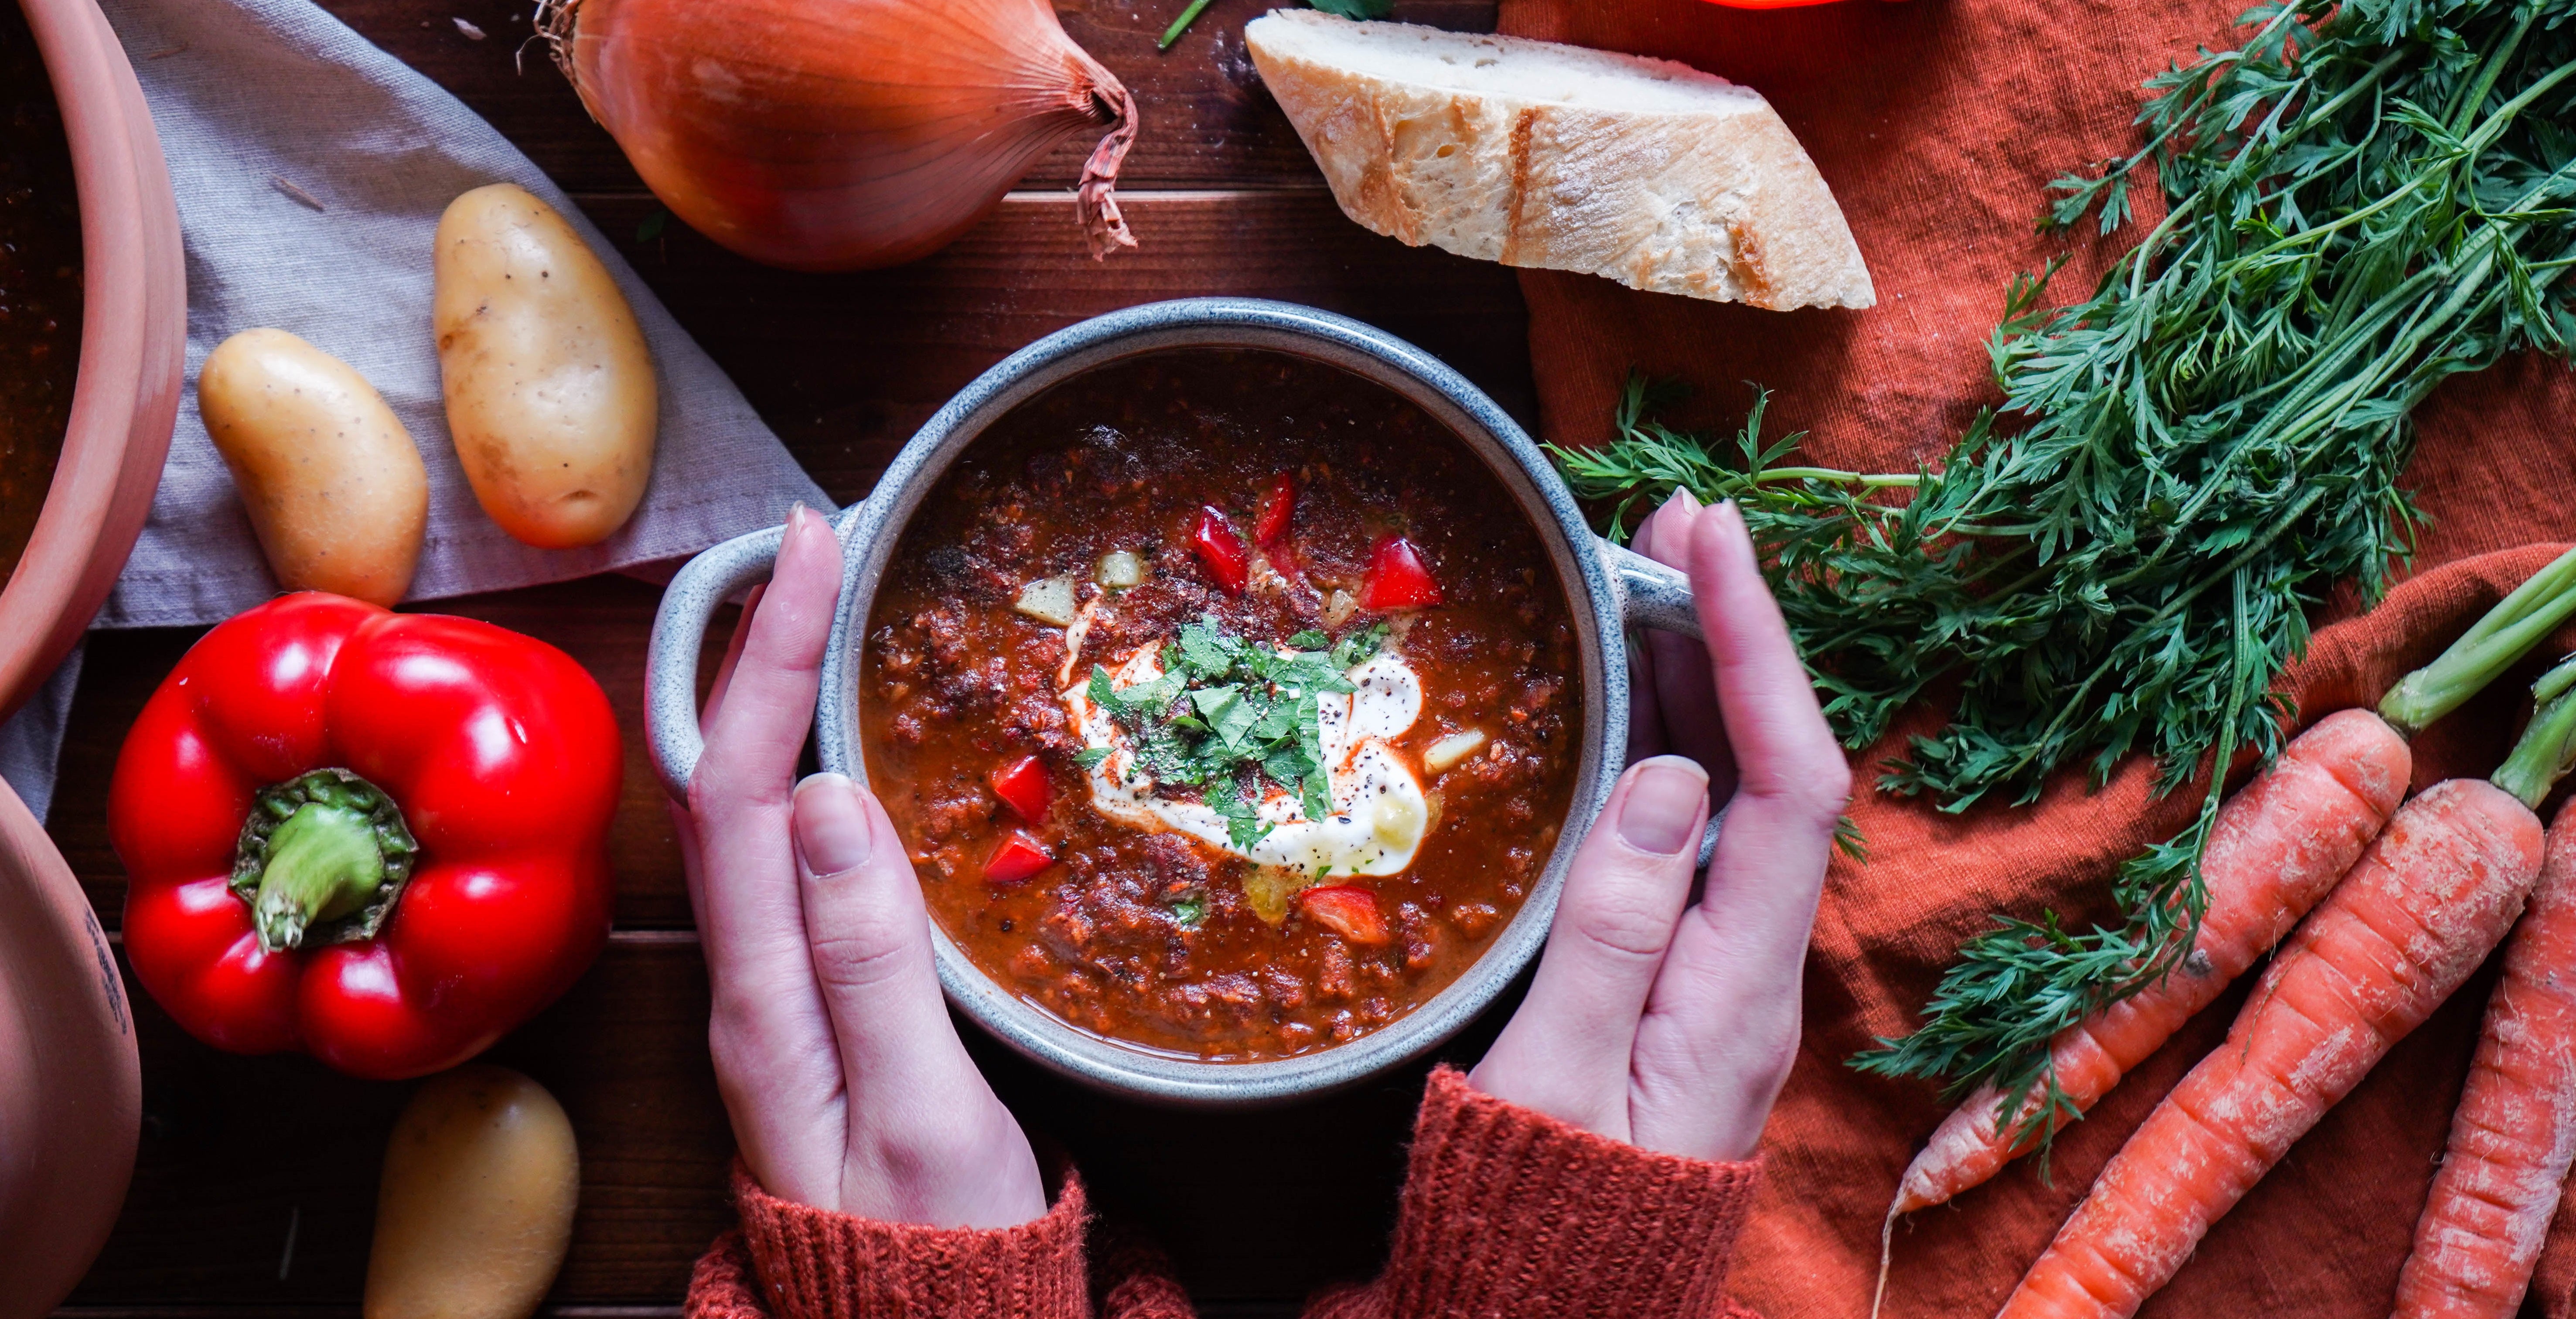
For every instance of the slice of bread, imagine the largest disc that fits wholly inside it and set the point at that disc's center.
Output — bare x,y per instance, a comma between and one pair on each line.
1646,171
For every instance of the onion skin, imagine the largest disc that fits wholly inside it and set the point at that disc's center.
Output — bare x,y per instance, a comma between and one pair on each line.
842,134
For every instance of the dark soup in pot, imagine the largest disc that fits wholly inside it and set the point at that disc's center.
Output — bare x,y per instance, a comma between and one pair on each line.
40,285
1229,705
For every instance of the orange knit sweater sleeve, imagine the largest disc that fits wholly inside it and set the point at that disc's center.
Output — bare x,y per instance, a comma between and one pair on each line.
1506,1212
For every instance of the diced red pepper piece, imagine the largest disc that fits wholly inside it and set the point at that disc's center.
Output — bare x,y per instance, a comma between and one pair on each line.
1277,507
1019,857
1222,551
1347,910
1022,785
1398,578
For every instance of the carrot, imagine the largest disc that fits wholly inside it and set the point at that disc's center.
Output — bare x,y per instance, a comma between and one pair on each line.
2278,845
2515,1132
2424,905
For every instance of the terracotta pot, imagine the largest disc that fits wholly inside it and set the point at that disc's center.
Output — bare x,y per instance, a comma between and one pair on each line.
70,1084
134,344
71,1090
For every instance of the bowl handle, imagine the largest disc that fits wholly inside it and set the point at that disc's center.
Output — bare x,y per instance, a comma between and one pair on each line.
679,630
1652,595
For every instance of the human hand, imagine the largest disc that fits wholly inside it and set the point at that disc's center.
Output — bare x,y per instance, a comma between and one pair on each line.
1653,1020
1672,689
847,1085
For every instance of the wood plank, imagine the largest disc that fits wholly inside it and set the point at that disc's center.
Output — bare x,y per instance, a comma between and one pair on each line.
1206,119
238,1151
845,367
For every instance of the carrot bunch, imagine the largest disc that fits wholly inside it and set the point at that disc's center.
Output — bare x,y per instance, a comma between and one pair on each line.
2428,900
2278,845
2420,895
2421,909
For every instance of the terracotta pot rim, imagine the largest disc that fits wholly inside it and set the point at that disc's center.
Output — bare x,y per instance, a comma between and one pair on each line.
132,350
70,1084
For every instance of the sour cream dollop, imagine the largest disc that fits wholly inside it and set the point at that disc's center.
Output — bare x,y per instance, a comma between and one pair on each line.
1378,814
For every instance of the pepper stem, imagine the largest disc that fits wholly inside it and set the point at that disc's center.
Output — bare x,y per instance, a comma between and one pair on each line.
2493,644
2547,747
321,860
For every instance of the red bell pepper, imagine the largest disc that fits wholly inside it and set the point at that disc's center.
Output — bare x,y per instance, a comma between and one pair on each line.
380,838
1221,551
1018,857
1398,578
1347,910
1022,785
1277,507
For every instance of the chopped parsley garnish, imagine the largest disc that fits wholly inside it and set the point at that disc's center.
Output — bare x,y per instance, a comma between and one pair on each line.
1190,911
1227,713
1356,648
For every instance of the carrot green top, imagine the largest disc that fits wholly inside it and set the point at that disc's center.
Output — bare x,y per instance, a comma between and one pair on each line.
2547,748
2519,622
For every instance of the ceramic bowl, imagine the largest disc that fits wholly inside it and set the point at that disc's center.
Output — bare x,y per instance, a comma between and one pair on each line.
134,342
1608,588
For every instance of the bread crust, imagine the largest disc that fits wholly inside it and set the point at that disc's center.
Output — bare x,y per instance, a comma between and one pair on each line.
1718,203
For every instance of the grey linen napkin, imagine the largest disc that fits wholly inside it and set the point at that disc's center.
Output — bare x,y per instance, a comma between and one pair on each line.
311,168
32,739
266,105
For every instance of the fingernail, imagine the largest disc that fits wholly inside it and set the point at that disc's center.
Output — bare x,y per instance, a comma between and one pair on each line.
1664,796
832,828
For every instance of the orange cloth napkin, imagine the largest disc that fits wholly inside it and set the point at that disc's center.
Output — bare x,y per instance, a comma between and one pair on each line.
1938,124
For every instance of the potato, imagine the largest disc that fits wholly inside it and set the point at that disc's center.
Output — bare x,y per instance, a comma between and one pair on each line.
1049,600
333,483
475,1210
1450,750
550,394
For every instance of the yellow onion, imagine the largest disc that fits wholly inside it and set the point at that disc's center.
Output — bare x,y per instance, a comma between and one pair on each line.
842,134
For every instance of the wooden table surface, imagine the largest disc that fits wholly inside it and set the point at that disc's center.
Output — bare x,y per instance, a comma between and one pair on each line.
256,1183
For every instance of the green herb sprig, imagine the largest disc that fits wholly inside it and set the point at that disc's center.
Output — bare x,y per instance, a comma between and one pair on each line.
1227,713
1345,8
2364,200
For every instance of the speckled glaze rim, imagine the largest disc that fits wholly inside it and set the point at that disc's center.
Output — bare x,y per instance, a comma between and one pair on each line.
1608,590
